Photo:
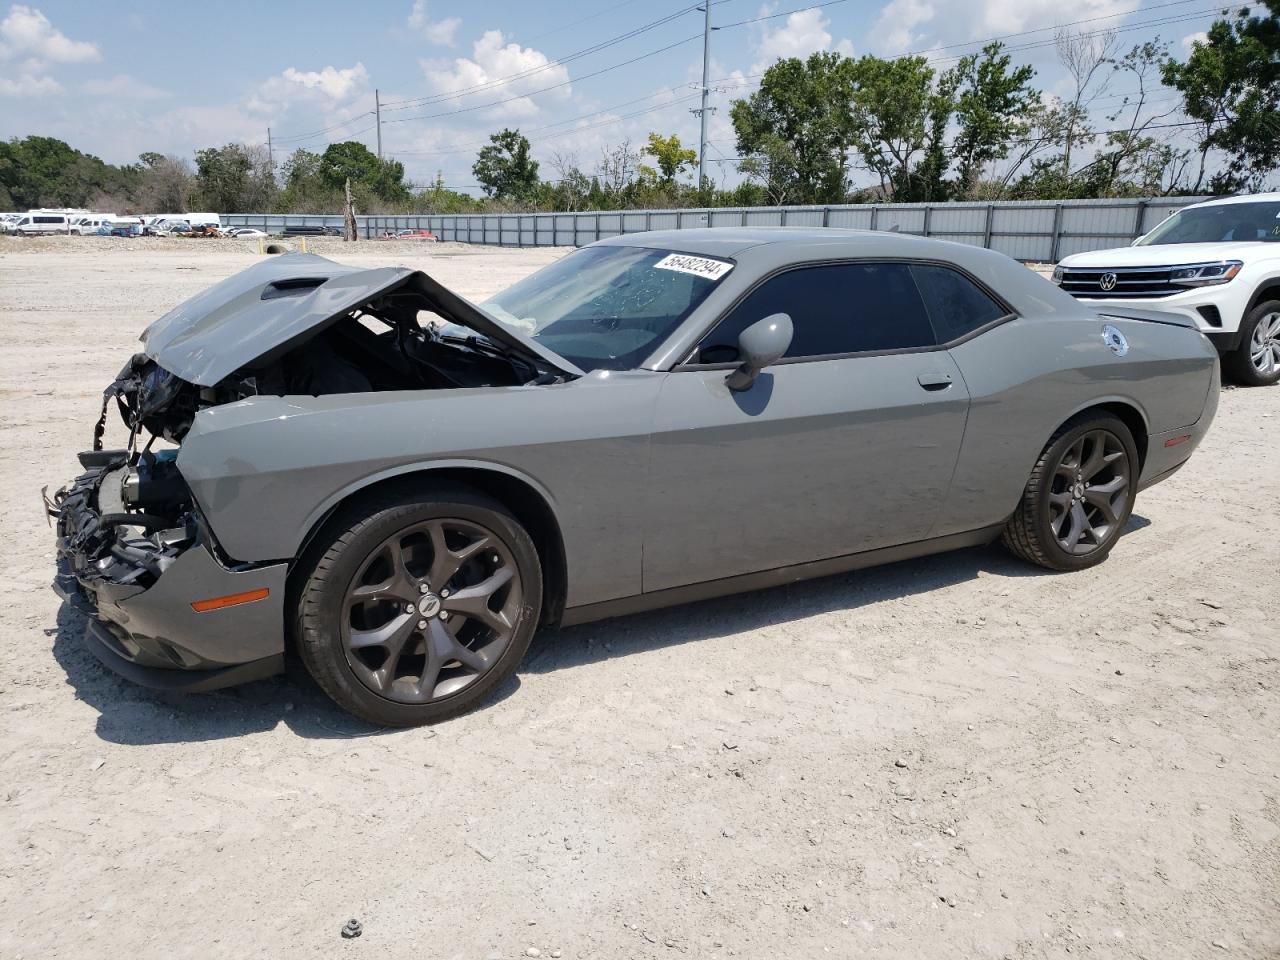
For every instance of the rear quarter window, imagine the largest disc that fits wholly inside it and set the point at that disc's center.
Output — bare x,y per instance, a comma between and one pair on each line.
957,306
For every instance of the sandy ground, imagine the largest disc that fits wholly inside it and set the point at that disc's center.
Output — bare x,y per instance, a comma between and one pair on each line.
953,757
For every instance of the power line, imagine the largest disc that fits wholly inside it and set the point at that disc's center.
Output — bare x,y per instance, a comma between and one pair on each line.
541,68
603,70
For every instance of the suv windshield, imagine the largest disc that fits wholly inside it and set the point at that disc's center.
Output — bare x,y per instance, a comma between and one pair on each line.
608,307
1219,222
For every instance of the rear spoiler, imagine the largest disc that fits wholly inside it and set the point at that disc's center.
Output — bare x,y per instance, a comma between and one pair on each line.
1150,316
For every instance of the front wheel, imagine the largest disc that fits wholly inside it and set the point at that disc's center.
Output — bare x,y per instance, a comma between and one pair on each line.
1256,362
1079,497
419,607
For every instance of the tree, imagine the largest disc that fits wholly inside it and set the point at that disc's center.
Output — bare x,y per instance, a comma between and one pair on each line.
505,169
46,172
165,183
1230,86
1084,56
900,118
1133,161
992,108
371,178
796,129
234,179
438,198
616,172
671,156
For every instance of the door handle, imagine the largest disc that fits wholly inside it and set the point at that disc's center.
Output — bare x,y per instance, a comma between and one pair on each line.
932,380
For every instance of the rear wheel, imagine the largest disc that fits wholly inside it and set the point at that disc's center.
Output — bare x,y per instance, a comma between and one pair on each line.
1256,362
1079,497
419,608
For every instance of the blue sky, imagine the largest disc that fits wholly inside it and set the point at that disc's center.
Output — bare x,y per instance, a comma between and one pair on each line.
116,79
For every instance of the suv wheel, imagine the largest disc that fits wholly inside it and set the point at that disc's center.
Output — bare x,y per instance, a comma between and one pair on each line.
1256,362
419,607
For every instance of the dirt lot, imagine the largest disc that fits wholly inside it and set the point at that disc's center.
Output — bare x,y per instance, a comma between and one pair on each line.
953,757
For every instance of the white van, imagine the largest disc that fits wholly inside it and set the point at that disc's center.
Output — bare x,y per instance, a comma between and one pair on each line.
34,224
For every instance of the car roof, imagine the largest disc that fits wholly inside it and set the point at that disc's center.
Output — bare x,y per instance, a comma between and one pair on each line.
1242,198
728,241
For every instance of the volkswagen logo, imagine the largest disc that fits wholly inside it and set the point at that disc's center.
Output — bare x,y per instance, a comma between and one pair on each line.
1115,340
1107,282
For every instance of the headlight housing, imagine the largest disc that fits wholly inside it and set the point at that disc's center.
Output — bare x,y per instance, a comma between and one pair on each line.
1057,275
1205,274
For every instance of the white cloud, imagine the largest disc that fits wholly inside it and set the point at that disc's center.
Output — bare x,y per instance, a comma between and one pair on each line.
1191,39
440,32
26,85
492,60
800,34
124,87
1008,16
332,82
894,28
26,34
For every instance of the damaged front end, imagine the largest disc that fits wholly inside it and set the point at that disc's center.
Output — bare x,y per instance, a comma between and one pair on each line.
165,605
135,557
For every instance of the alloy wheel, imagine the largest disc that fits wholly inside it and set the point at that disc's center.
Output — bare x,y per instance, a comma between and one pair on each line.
1264,345
1089,492
431,610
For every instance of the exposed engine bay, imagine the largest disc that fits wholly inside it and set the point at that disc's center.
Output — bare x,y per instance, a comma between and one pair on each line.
379,347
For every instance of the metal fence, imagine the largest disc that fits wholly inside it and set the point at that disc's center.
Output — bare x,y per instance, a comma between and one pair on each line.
1025,230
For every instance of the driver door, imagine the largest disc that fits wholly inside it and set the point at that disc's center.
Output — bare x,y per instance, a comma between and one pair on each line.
846,444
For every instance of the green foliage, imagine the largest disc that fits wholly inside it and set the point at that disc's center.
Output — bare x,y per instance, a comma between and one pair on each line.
796,129
505,169
1230,84
233,179
672,157
438,198
900,111
46,172
372,180
992,107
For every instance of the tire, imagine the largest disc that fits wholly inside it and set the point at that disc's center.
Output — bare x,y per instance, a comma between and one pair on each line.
394,668
1256,362
1062,493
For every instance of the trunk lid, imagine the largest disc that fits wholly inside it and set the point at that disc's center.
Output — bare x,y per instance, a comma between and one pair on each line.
261,313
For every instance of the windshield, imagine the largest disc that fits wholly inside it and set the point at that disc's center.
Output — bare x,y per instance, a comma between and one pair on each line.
1217,223
608,307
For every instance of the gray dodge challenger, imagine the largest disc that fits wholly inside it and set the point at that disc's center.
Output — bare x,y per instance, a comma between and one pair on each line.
403,486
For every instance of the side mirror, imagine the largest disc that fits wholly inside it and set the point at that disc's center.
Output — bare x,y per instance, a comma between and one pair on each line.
761,344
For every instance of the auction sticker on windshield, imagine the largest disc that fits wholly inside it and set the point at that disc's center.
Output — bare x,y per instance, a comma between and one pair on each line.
698,266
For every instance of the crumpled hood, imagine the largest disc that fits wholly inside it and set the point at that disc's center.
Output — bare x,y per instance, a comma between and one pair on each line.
1162,254
264,311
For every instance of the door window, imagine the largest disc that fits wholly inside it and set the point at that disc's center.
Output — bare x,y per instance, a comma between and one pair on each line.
835,308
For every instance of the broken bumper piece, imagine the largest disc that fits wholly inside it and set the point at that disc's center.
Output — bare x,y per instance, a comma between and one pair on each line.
136,585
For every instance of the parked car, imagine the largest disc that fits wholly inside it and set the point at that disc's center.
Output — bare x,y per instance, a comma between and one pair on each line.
1215,263
37,224
247,233
653,419
87,226
120,228
409,234
310,231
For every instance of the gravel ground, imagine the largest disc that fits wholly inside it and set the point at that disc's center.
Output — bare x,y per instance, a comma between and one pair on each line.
953,757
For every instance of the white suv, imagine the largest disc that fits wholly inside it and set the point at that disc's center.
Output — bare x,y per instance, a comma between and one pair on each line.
1217,262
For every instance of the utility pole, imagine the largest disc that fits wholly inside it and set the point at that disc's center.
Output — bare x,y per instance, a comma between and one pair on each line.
271,157
377,112
706,92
